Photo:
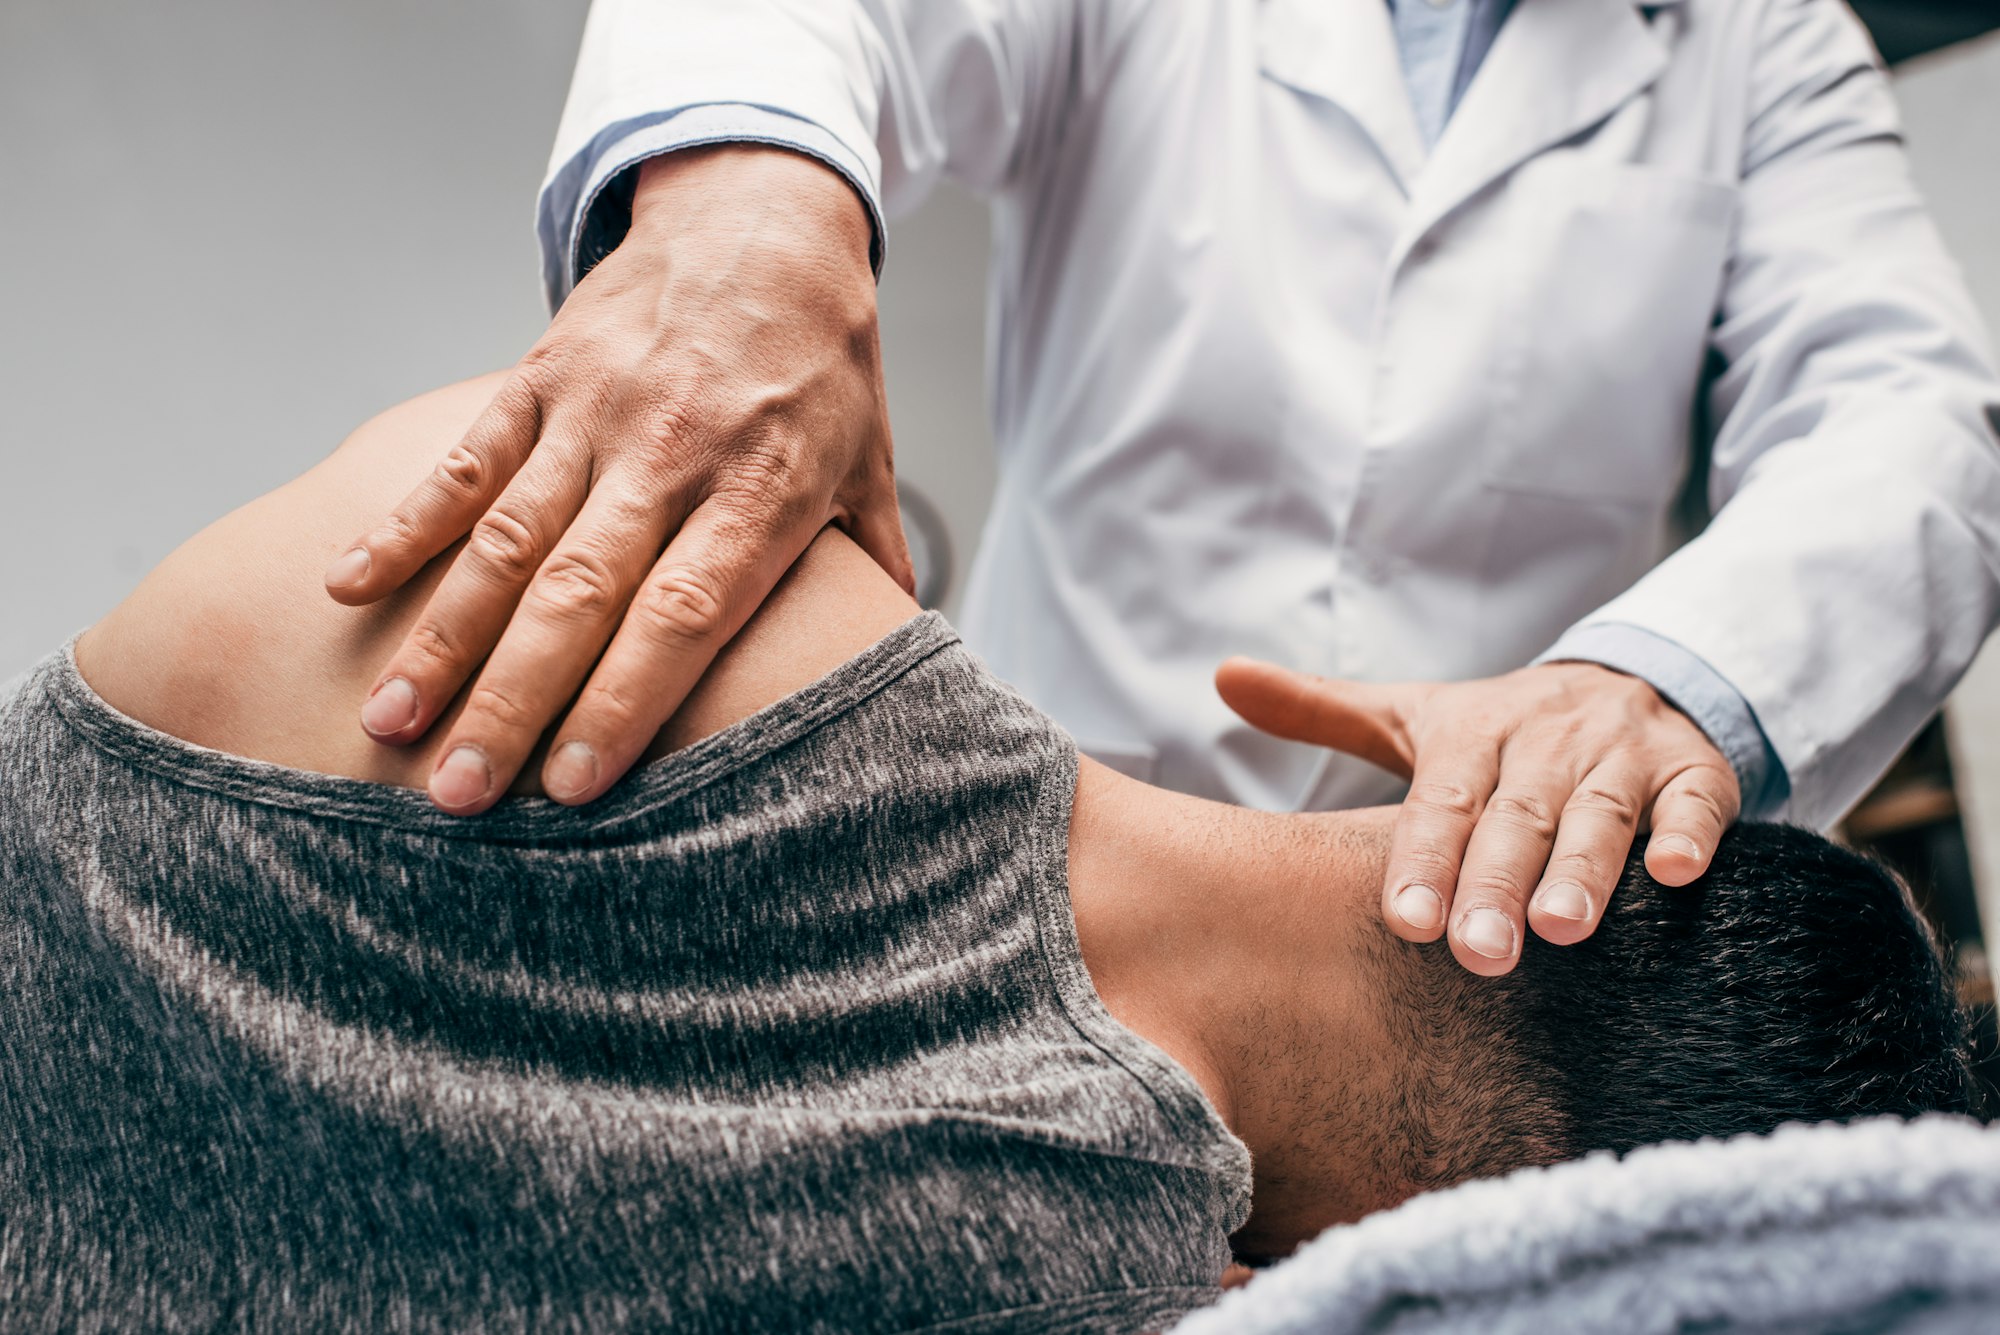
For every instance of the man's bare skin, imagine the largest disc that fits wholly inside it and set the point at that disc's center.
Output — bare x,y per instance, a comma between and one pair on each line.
1231,939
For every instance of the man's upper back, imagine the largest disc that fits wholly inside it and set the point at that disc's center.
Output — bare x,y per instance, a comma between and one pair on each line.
791,1028
788,1031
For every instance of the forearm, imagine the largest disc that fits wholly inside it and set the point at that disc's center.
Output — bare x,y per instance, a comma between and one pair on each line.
1843,594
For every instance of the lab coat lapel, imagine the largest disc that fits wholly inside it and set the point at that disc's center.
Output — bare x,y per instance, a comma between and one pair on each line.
1557,68
1344,52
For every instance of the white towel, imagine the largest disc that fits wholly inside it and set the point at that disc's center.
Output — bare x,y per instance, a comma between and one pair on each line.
1882,1225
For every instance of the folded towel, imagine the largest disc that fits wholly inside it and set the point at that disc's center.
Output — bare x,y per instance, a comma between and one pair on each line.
1882,1225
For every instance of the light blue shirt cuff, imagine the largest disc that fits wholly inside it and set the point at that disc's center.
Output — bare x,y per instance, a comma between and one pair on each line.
586,206
1697,690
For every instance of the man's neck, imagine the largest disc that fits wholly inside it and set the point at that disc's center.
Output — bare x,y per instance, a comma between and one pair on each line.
1237,941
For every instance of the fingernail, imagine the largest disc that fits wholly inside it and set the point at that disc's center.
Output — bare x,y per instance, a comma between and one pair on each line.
348,568
572,771
392,708
1420,906
1564,900
1487,932
1678,843
461,778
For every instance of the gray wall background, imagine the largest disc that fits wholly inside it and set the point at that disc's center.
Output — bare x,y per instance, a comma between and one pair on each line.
233,229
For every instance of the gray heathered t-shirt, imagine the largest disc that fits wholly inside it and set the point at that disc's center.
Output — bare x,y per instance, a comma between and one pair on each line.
790,1031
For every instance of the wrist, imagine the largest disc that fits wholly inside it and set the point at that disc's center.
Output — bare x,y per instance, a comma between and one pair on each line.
753,192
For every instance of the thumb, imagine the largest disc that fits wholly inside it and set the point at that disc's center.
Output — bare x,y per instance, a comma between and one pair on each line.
1364,719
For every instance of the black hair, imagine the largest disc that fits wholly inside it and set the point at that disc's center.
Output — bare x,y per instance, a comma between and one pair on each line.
1794,982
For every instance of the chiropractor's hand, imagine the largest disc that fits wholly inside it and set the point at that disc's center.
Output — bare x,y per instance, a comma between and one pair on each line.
1526,792
706,401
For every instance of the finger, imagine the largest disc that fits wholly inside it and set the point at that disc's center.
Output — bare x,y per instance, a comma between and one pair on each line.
445,505
561,625
1592,844
1359,718
470,608
877,527
1432,829
713,575
1506,855
1689,817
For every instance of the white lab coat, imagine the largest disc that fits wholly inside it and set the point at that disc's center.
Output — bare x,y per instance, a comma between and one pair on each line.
1267,378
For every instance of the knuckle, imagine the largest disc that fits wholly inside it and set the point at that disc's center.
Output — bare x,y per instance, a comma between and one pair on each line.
506,545
680,606
461,472
1426,866
1704,802
1525,811
670,435
770,473
1585,866
1444,797
657,446
776,400
500,706
538,381
432,644
538,372
627,516
1493,889
608,709
783,509
577,585
1620,804
396,532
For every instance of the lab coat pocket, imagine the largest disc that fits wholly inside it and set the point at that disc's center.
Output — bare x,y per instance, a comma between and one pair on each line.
1616,271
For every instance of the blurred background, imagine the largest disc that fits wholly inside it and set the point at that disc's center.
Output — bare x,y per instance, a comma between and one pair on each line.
233,229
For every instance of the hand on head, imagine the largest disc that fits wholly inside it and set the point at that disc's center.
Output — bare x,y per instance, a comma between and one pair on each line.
1526,792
